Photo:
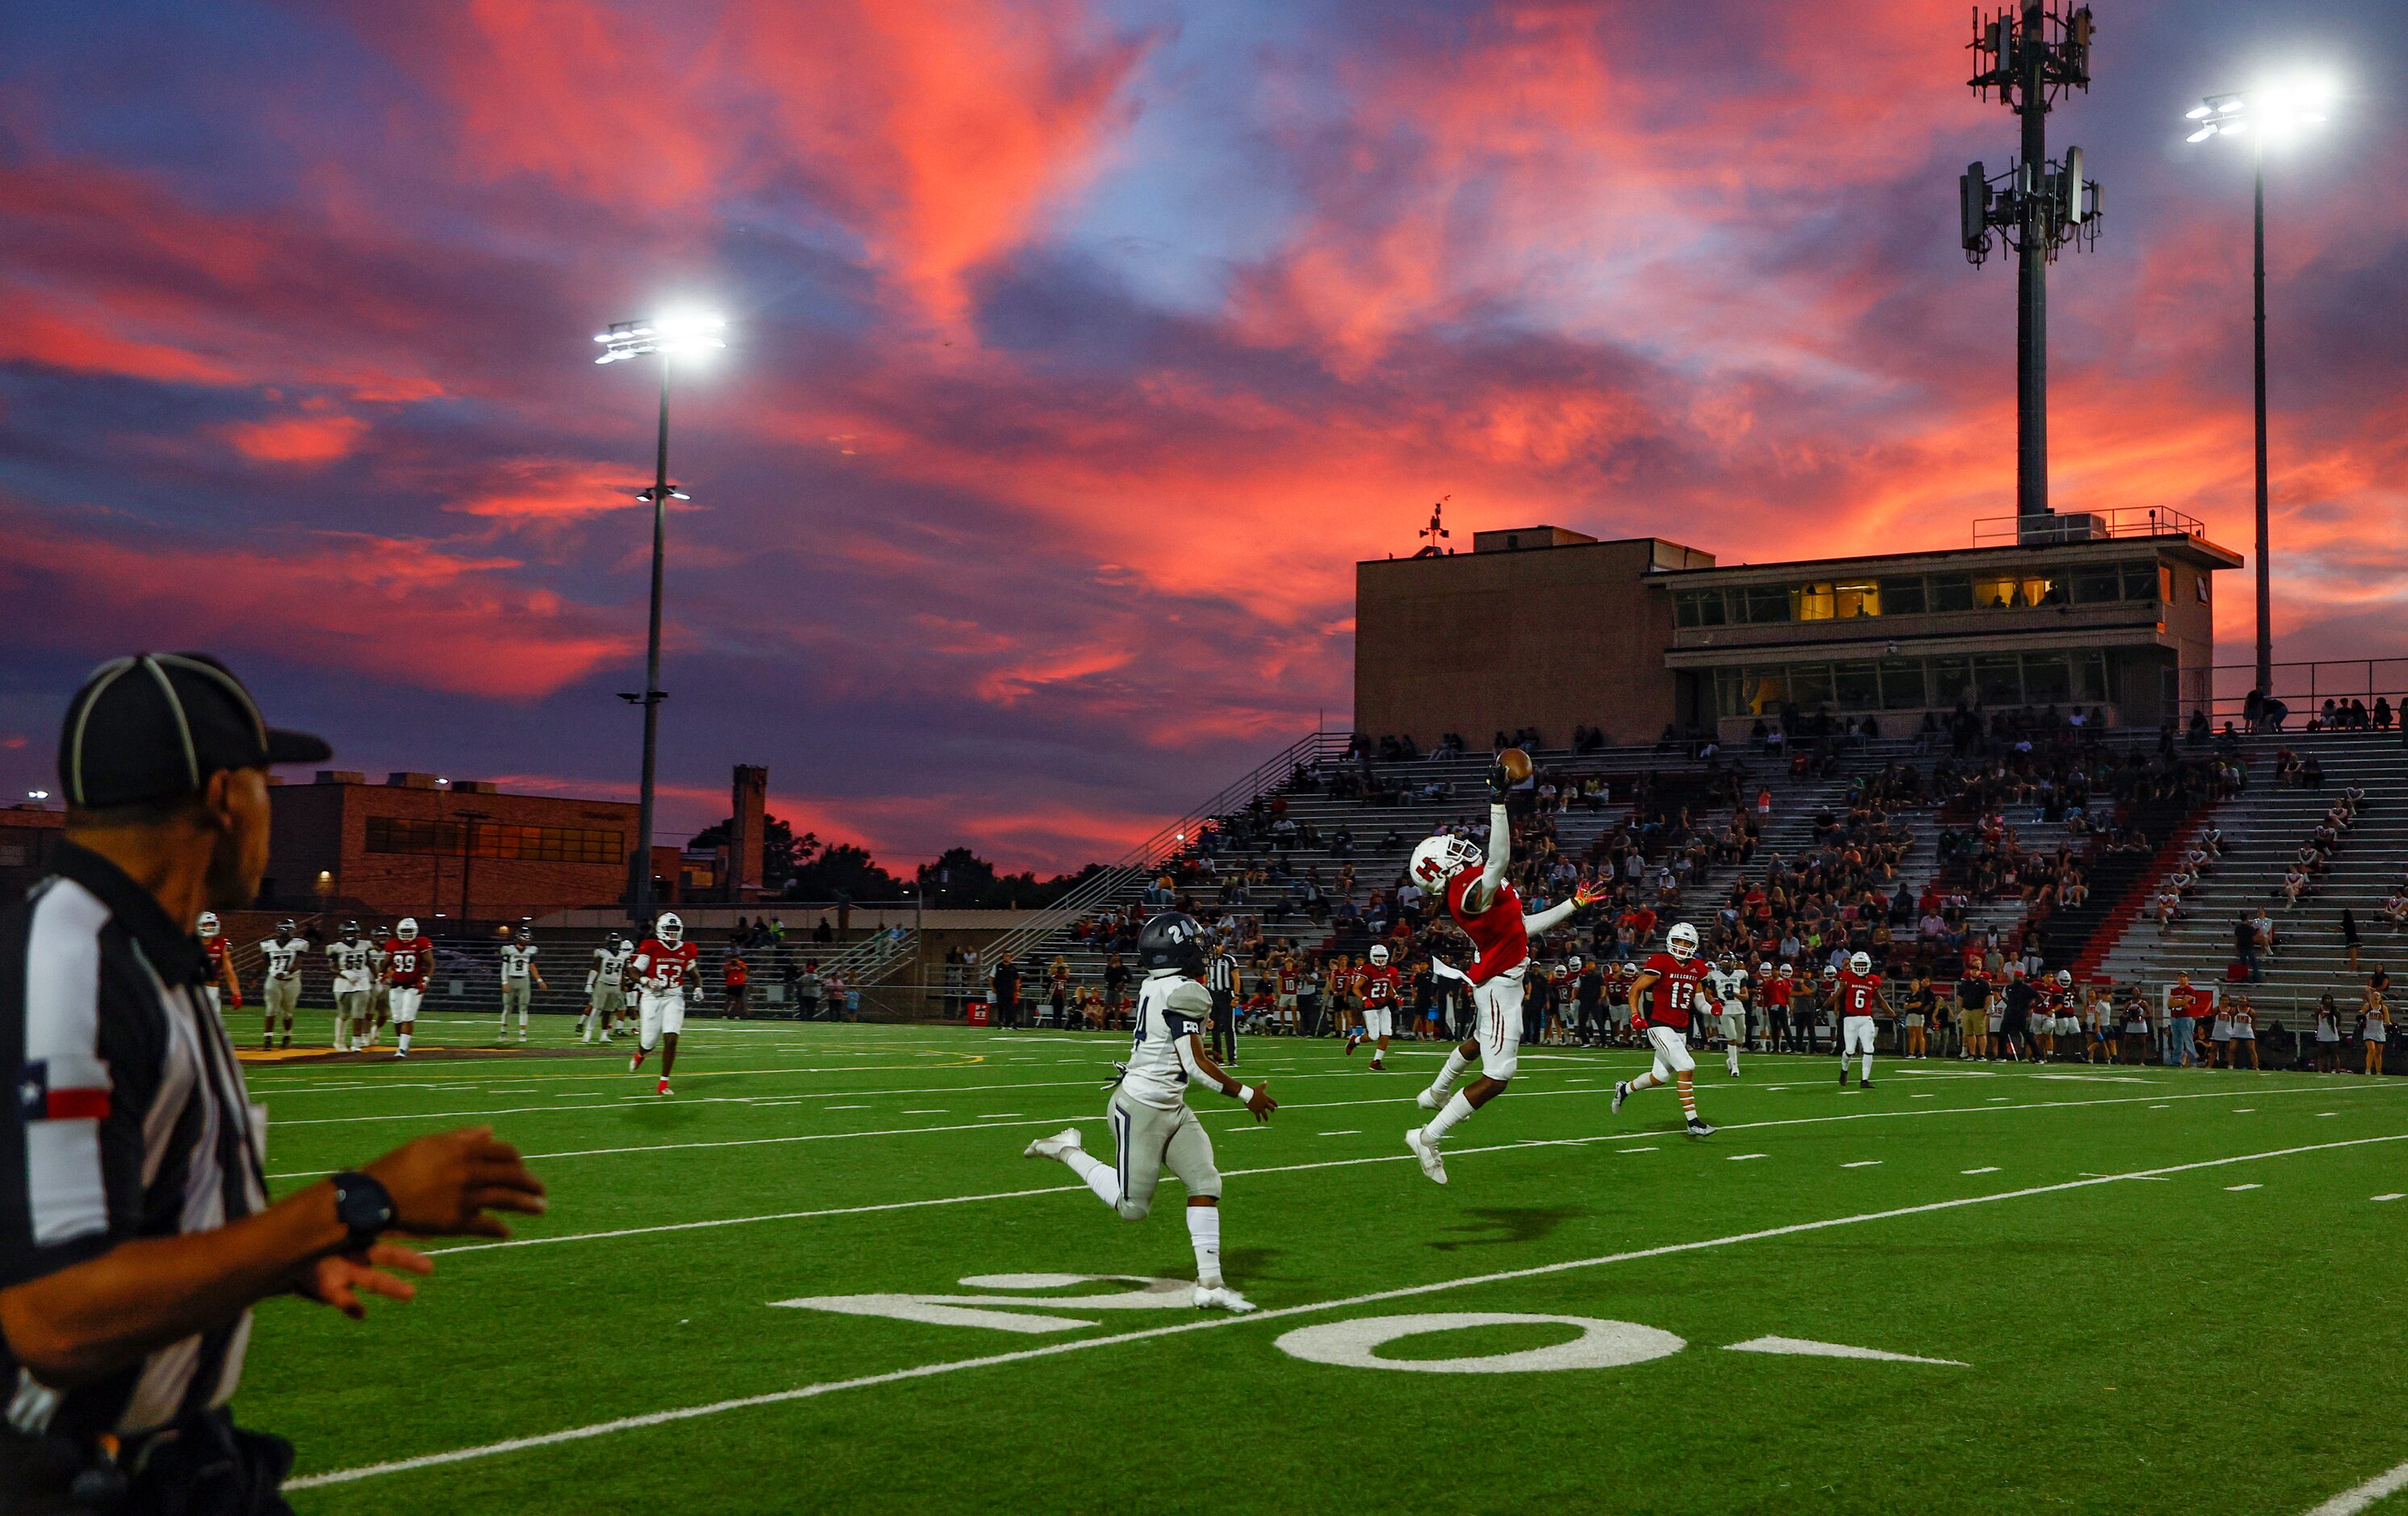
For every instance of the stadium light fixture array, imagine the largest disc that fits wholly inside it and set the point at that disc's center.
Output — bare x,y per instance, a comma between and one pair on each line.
670,335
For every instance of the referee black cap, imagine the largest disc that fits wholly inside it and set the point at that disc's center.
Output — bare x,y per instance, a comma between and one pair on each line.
156,726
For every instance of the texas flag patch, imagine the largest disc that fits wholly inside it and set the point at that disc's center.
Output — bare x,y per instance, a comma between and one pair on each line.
63,1090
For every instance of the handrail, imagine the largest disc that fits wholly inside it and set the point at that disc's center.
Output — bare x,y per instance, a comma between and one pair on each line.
1259,780
2086,526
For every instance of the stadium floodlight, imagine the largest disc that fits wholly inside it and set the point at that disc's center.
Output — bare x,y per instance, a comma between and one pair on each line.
672,334
2281,108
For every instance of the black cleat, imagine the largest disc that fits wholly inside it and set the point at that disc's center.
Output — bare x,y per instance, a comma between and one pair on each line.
1868,1084
1699,1128
1621,1094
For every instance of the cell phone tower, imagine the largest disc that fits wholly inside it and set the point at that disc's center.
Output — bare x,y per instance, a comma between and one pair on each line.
2030,53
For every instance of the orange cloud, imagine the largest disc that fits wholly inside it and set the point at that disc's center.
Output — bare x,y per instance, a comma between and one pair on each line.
412,613
298,440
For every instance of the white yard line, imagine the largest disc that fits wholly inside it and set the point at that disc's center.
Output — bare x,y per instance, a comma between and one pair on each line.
1225,1131
2350,1502
2363,1495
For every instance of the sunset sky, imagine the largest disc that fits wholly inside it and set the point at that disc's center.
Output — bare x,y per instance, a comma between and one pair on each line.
1078,348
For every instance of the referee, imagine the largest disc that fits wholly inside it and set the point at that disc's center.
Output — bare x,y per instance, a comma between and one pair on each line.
135,1232
1221,978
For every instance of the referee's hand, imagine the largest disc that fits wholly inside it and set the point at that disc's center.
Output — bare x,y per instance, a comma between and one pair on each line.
445,1185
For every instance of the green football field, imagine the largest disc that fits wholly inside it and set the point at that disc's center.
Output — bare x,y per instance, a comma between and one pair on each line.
2112,1290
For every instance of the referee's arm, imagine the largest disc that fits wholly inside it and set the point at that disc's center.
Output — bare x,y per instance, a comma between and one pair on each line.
88,1319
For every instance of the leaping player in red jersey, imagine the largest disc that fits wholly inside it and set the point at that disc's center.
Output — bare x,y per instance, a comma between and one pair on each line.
1860,995
1661,997
1376,985
1490,913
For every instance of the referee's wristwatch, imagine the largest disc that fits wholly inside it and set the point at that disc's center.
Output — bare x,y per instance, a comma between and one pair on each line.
364,1206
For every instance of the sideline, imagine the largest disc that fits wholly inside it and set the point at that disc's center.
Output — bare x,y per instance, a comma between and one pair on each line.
806,1391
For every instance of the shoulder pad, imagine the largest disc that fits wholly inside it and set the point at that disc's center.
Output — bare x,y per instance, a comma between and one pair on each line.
1187,994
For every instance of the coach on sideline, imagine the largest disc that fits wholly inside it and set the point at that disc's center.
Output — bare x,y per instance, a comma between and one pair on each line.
136,1233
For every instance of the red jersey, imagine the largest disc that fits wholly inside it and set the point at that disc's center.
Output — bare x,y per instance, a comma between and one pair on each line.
1856,993
736,973
1498,943
1777,992
216,949
659,967
407,961
1378,986
1674,992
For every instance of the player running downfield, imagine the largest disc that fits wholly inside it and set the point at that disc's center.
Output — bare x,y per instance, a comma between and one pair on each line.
409,958
224,991
1490,914
279,985
1660,1000
1727,988
350,956
662,962
1380,988
1860,996
605,989
1153,1129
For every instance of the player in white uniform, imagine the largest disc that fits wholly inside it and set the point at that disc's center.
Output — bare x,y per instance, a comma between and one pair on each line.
1153,1129
280,987
517,970
1727,988
605,989
380,990
350,957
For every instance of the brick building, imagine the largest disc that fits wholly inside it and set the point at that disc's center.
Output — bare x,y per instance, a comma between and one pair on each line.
1544,627
28,833
462,851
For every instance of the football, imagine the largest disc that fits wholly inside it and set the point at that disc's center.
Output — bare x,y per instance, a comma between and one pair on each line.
1517,763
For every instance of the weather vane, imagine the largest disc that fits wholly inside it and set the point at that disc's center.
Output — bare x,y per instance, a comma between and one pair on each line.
1436,531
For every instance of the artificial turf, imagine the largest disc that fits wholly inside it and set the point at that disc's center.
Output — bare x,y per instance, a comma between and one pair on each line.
2163,1343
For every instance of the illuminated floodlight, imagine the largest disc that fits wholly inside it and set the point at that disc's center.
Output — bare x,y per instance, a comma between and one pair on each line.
2274,108
670,334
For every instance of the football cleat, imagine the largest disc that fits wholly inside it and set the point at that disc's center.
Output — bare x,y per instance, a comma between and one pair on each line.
1426,1151
1066,1140
401,1052
664,1087
1353,1040
1844,1078
1699,1127
1221,1297
1430,1100
1377,1066
636,1060
1621,1094
1868,1085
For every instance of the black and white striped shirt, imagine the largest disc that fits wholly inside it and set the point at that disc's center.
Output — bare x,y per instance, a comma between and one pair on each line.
131,1120
1221,974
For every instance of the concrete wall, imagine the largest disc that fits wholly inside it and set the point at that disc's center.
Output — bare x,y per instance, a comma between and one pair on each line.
1553,638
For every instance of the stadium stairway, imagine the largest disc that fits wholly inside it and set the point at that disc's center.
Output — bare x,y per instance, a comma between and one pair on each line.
2262,831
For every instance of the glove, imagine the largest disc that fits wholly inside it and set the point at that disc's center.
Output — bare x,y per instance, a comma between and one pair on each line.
1500,783
238,1000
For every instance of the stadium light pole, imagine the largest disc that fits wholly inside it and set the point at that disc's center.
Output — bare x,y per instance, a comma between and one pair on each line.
665,338
2257,114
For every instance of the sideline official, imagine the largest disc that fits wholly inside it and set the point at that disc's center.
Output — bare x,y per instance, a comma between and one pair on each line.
136,1234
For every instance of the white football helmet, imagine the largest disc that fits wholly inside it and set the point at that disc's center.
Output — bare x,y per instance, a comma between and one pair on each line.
407,930
1830,971
1860,963
2065,979
1379,955
670,929
1682,941
1764,971
208,925
1439,859
1574,963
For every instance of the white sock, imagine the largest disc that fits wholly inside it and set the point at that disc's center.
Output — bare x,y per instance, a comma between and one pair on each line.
401,1041
1456,1109
1204,1230
1869,1067
1644,1081
586,1029
1734,1060
1455,1064
1099,1175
